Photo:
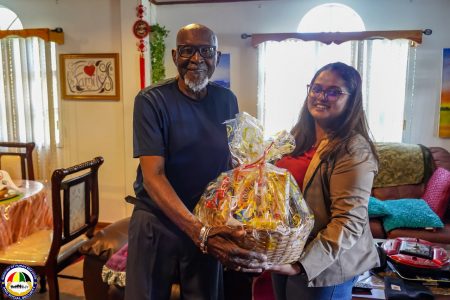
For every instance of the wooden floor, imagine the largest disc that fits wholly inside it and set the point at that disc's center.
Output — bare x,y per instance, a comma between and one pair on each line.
69,289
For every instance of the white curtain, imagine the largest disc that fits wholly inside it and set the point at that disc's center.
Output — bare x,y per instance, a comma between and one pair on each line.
28,98
385,75
285,68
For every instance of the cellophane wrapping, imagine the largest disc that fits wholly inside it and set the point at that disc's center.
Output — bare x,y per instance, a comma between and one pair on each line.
263,198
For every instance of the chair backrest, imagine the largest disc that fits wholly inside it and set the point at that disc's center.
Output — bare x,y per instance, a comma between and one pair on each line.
15,157
75,202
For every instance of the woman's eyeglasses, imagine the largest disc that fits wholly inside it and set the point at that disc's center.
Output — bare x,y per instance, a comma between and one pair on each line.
187,51
331,94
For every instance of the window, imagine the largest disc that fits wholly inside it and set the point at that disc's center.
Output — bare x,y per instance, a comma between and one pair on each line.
29,109
9,20
285,68
333,17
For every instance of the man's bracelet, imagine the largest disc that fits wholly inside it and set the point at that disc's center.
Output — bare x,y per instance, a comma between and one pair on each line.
202,232
203,237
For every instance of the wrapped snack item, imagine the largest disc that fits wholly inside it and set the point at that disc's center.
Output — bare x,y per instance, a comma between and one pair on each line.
258,195
7,187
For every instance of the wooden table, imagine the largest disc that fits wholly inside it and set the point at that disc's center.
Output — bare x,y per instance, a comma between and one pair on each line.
26,214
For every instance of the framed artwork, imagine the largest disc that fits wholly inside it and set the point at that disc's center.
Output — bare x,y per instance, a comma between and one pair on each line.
90,76
222,73
444,112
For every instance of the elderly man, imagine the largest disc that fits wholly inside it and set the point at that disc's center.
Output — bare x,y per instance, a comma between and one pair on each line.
181,143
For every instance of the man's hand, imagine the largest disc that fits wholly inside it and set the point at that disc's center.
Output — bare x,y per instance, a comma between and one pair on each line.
221,241
286,269
222,245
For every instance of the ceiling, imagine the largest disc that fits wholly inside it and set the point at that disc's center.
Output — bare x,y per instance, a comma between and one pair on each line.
167,2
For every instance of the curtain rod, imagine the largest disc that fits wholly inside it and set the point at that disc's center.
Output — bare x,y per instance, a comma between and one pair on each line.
338,37
50,35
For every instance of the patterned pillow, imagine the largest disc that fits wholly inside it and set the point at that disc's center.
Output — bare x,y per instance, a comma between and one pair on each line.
409,213
399,164
437,191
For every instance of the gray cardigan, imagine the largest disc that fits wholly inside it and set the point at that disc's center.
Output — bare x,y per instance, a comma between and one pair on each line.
341,244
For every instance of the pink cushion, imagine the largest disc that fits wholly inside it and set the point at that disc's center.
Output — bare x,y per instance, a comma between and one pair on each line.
437,191
118,261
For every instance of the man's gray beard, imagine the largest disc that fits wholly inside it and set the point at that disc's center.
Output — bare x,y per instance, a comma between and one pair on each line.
196,86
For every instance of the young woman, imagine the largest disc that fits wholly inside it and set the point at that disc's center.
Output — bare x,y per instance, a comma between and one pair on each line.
334,162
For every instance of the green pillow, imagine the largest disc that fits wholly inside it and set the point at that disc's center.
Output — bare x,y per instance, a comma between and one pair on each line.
409,213
377,208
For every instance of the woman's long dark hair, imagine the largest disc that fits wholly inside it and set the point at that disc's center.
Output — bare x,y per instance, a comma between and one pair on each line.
352,121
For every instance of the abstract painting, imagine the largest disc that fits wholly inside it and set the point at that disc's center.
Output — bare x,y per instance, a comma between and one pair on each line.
222,73
444,119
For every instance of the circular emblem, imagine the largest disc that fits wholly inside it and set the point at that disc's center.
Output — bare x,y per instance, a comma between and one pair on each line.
141,29
19,282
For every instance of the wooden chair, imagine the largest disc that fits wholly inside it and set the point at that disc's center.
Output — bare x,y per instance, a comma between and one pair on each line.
15,157
75,204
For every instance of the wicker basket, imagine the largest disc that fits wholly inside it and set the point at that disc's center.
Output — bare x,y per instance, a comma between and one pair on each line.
281,238
278,247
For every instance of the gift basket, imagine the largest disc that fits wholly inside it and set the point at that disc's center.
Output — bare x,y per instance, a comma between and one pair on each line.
263,198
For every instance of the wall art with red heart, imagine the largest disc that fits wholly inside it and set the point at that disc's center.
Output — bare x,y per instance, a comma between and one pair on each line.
90,76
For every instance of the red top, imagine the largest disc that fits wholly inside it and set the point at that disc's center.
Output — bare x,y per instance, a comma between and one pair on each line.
297,165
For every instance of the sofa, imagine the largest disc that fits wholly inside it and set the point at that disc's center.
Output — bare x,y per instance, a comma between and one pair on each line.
110,239
438,157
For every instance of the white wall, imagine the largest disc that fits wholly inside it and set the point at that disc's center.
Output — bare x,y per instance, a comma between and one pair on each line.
229,20
93,128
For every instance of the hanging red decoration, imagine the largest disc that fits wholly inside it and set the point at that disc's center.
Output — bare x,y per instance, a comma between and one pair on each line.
141,30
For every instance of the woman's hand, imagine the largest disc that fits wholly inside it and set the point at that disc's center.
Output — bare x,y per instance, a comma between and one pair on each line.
287,269
222,245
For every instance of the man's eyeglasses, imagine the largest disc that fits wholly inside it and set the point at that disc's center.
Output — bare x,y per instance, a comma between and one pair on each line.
331,94
186,51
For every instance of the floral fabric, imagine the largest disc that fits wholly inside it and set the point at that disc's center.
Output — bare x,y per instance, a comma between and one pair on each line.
113,271
399,164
